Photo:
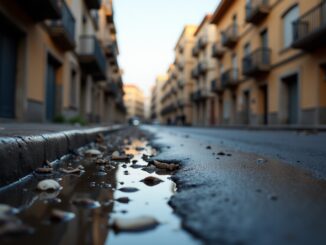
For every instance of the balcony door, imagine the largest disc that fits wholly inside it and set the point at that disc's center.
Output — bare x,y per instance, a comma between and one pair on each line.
292,98
51,81
8,63
234,67
264,45
246,111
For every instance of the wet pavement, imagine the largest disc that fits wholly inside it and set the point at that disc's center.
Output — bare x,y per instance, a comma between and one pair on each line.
98,200
231,195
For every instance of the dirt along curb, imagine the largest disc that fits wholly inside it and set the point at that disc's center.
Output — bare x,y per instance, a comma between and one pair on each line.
20,155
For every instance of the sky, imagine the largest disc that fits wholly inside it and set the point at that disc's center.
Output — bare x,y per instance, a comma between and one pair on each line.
148,31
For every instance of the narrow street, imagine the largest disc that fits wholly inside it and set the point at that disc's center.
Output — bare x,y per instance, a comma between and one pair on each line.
248,187
174,185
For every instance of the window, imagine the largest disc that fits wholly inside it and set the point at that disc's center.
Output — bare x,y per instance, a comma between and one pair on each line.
246,49
288,20
73,89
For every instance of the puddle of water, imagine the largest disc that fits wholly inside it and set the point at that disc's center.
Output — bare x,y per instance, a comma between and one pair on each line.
91,226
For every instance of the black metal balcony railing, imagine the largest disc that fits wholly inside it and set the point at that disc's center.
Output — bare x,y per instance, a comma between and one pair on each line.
257,10
180,84
62,31
215,86
309,31
217,51
257,62
195,73
41,10
93,4
91,57
230,78
202,42
195,51
111,89
230,36
110,50
198,95
202,67
168,109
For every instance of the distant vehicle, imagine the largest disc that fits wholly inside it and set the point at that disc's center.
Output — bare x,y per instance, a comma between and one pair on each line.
134,121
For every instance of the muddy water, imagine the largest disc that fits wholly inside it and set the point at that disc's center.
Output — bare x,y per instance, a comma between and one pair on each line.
101,184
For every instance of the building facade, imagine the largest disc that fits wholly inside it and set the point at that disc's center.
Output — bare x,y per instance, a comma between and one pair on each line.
134,100
256,62
156,97
176,104
53,62
273,68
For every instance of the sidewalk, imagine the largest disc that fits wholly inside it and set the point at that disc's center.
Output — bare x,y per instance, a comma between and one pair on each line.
24,147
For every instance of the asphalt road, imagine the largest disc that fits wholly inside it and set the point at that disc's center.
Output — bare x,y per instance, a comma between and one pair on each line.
248,187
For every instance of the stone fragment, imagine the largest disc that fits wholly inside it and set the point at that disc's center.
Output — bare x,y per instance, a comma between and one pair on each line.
93,153
128,189
124,200
86,203
166,166
48,185
44,170
151,181
139,224
58,216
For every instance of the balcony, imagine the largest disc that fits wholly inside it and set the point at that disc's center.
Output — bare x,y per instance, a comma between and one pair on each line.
230,36
195,73
230,78
91,57
199,95
257,63
62,31
181,84
111,89
180,103
256,11
195,51
217,51
110,50
202,42
202,67
93,4
180,66
309,31
215,86
41,10
168,109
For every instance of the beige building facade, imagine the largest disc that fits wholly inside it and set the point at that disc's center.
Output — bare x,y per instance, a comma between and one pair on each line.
53,66
176,104
156,98
134,100
255,62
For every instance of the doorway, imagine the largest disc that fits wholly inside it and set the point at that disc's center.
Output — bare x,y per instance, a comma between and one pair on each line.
246,109
8,68
291,99
51,82
264,95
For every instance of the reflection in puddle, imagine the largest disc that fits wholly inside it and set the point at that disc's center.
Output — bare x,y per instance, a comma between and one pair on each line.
90,203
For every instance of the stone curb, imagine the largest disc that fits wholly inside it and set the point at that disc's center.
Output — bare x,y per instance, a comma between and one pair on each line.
20,155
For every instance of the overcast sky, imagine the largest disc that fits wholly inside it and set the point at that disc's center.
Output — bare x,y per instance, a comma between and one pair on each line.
148,31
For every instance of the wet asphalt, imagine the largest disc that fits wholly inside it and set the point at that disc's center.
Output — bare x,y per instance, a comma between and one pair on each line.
248,187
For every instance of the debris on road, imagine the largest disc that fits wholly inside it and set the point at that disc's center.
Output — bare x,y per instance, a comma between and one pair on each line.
166,166
151,181
142,223
48,185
